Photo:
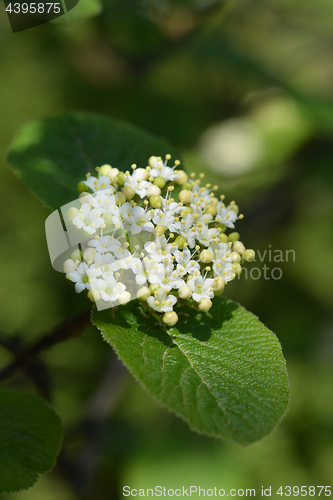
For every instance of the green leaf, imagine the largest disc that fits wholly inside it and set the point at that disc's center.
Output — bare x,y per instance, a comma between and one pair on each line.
223,371
52,155
30,439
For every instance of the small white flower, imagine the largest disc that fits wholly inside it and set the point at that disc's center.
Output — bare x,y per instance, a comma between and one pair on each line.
184,258
123,259
105,244
173,277
111,206
137,182
201,287
79,277
220,251
136,219
161,301
140,271
155,273
225,215
89,219
162,170
109,288
224,269
187,229
100,200
200,216
159,248
164,218
103,182
104,261
207,236
170,206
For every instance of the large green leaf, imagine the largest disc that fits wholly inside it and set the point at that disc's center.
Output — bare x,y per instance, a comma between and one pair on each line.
52,155
30,439
223,371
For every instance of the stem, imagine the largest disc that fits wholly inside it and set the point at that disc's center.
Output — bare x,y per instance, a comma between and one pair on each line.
71,327
156,316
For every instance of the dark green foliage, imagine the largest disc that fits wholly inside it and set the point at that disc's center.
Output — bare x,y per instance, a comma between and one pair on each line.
30,439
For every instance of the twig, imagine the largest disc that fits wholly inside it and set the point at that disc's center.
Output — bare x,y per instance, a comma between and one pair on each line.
25,357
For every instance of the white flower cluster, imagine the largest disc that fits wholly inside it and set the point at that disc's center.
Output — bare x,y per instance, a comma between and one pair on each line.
155,235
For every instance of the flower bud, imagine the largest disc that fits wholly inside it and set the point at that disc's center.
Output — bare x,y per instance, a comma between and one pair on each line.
180,240
120,198
187,185
249,255
185,292
223,238
233,207
237,269
238,247
214,201
94,295
84,198
152,161
153,191
124,298
235,257
233,236
188,210
89,255
72,212
112,174
160,182
69,266
128,192
143,293
155,201
160,230
108,218
218,285
120,179
170,318
185,196
104,169
206,256
221,226
210,210
181,177
143,173
81,187
153,288
205,304
76,255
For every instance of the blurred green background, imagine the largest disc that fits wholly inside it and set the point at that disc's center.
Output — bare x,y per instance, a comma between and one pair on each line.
244,90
